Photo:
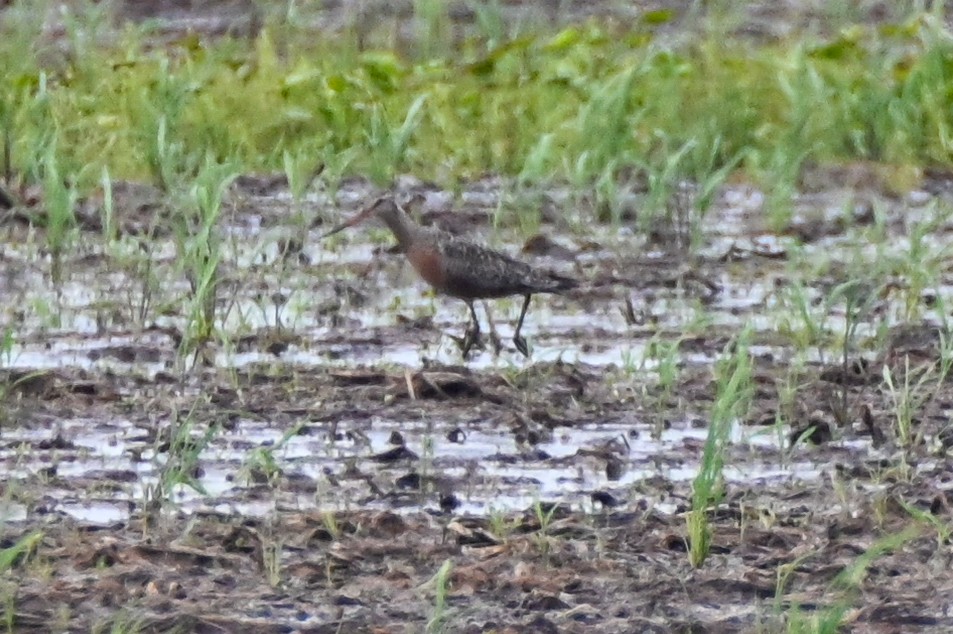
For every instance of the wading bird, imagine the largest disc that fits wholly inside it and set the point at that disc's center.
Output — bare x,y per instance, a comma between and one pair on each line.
462,269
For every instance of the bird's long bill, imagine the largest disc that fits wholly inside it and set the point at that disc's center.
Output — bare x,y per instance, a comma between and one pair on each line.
350,222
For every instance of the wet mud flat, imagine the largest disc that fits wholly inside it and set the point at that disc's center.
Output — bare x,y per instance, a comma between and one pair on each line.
326,462
329,464
358,543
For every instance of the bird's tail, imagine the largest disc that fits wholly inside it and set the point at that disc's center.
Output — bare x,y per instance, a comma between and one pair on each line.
560,283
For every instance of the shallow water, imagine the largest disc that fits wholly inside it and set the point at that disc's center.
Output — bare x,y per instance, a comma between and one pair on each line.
341,306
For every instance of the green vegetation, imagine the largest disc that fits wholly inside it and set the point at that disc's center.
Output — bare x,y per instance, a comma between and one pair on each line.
441,582
19,552
733,374
199,249
60,198
271,558
263,464
586,104
544,516
186,440
845,589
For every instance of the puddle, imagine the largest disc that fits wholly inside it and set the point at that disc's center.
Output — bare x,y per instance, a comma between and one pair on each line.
12,513
102,513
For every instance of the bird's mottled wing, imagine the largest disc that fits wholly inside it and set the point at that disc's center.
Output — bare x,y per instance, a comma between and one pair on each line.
474,271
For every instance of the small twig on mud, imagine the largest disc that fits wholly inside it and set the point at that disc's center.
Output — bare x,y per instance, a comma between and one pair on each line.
340,621
409,378
628,313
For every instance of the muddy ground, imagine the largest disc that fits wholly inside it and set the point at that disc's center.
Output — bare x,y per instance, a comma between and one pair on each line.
343,457
396,21
315,467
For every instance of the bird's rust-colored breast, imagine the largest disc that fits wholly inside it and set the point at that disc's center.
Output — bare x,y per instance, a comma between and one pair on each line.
427,261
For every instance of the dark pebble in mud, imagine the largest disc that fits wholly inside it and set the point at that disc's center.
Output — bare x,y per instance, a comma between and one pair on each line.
605,498
394,455
449,503
815,432
408,481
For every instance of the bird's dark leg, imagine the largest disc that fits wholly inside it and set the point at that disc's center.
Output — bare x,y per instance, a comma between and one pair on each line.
517,339
472,335
494,337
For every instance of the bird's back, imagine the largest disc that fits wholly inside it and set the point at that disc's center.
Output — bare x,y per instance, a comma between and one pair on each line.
472,271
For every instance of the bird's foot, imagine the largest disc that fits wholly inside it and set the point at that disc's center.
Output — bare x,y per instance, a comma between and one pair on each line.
520,343
470,339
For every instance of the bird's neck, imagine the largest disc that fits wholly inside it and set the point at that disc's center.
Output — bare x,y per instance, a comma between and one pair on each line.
402,227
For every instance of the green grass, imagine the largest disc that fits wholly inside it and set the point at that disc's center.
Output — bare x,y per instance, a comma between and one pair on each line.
441,582
19,552
733,378
7,340
198,246
845,590
179,466
264,462
590,105
60,199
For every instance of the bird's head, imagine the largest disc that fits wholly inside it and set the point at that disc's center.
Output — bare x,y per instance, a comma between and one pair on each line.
384,208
